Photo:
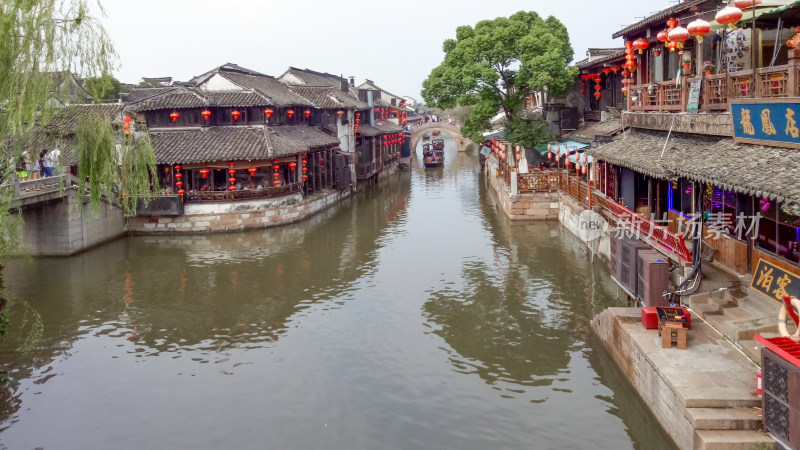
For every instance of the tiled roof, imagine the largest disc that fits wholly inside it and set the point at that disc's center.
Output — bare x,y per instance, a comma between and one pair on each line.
586,133
388,127
662,15
175,98
290,140
231,99
753,169
209,145
140,93
602,58
65,122
278,93
328,97
236,143
313,78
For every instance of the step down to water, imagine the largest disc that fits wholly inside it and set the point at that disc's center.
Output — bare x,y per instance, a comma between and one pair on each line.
732,440
724,418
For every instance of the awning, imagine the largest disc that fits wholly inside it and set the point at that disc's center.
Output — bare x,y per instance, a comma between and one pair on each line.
789,14
747,15
578,158
563,147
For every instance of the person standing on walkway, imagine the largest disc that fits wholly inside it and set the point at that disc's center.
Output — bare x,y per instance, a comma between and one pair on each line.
53,161
47,165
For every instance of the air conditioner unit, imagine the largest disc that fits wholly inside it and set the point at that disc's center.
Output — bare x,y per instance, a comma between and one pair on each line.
653,272
781,397
627,249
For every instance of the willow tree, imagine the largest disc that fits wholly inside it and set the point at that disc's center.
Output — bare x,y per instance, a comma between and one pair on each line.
496,65
43,43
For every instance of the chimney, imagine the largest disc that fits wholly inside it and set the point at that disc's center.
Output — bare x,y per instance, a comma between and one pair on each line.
353,81
371,102
344,86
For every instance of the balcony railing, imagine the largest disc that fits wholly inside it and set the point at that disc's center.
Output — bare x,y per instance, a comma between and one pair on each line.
244,194
537,182
366,170
768,82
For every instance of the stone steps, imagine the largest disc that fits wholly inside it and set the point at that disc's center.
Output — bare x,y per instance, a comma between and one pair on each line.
724,418
732,440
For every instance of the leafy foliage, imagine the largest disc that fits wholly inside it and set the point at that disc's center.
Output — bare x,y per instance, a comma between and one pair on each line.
528,132
498,64
104,87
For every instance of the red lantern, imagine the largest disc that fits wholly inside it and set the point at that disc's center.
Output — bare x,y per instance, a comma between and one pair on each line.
268,112
744,4
597,95
292,165
290,113
126,119
358,114
679,35
624,91
177,167
305,170
549,155
179,175
232,188
204,172
305,177
126,126
583,170
616,69
672,23
276,167
231,163
231,172
181,192
252,171
597,87
232,180
179,183
276,175
641,45
235,115
606,70
276,182
698,29
206,114
628,44
340,113
729,15
307,113
597,79
174,116
626,73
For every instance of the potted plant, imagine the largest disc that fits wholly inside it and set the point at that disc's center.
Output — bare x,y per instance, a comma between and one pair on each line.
687,61
708,67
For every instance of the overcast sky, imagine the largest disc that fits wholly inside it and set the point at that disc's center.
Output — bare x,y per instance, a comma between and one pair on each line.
395,44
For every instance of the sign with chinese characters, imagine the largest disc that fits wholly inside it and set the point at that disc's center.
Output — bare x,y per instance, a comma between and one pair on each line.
694,97
775,282
768,121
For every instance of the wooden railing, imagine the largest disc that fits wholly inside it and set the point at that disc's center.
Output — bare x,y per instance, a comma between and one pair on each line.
768,82
537,182
244,194
503,172
647,230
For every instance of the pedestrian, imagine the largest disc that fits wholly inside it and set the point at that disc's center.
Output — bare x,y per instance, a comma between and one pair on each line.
54,156
47,164
36,170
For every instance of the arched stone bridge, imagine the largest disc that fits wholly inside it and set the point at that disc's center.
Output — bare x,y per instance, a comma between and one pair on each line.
454,131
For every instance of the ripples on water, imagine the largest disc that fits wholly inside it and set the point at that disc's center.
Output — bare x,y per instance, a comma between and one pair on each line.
413,315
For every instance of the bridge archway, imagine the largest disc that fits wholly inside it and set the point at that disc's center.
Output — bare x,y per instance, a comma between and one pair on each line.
443,127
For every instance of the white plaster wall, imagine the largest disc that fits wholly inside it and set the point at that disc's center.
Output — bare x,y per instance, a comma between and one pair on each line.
569,214
219,83
240,206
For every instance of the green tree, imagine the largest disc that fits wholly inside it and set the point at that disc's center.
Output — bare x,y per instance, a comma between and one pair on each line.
497,64
41,43
528,132
103,88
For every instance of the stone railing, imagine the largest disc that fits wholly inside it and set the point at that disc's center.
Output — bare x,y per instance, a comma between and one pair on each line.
537,182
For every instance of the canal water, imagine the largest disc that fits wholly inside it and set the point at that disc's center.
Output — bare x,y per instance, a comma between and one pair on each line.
412,316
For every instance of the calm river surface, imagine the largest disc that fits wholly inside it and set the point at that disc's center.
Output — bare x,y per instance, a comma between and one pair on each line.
412,316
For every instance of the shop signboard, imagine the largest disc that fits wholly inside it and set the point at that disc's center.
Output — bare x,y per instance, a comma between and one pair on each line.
694,97
767,121
775,282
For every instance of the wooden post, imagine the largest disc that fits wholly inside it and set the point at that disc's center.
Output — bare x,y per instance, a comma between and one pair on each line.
792,82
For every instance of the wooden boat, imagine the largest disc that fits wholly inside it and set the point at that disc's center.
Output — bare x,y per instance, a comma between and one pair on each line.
435,132
431,156
426,136
438,144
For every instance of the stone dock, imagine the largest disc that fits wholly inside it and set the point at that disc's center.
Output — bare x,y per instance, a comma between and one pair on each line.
703,396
